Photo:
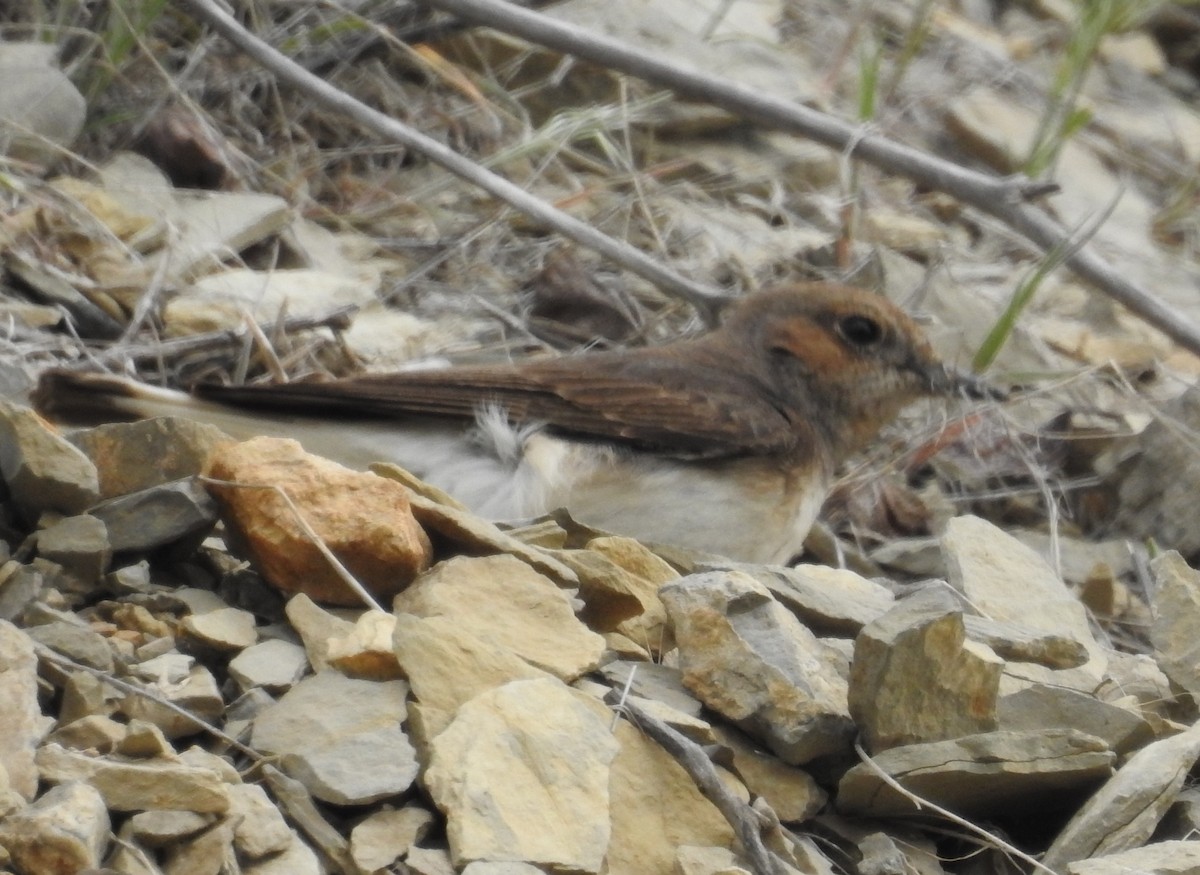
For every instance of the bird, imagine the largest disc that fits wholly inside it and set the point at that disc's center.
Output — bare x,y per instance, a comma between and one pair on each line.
726,442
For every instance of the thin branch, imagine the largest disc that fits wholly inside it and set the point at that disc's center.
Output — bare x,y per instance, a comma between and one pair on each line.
1006,198
746,822
923,804
705,299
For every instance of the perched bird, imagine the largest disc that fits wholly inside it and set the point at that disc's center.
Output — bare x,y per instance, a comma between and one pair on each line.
726,442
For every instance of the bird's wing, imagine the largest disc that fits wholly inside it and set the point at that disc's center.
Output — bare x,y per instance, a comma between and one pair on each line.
650,401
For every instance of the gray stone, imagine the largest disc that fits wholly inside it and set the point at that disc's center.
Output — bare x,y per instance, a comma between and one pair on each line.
990,775
1176,601
275,665
226,629
158,516
259,829
1044,706
1125,811
77,543
20,584
830,601
1160,858
161,827
747,657
197,694
76,642
341,737
43,471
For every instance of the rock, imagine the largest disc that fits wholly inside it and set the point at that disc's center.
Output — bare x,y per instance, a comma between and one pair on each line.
1044,706
493,868
259,829
522,773
429,861
692,860
65,830
162,827
170,668
363,519
341,737
225,629
213,224
386,836
42,470
221,300
1007,581
21,723
75,641
274,665
1176,602
996,775
656,809
19,585
137,786
447,666
1124,812
915,678
316,628
158,516
79,544
83,695
297,859
119,450
1159,858
472,535
1021,644
505,601
791,792
41,111
198,694
144,740
94,732
207,853
644,574
651,680
747,657
829,601
367,652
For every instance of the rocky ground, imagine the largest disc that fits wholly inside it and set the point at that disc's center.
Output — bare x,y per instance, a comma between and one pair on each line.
986,658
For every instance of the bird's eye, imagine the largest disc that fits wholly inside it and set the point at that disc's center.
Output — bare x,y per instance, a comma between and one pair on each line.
862,331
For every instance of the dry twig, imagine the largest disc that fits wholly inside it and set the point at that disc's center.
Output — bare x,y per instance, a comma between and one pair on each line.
746,822
1006,198
706,300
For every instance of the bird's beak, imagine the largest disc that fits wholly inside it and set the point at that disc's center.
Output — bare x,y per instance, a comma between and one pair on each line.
945,380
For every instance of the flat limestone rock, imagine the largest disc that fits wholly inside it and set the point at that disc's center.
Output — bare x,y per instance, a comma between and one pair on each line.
656,809
522,773
1160,858
830,601
1007,581
386,836
448,666
503,599
1043,706
341,737
138,785
1125,811
275,665
985,775
747,657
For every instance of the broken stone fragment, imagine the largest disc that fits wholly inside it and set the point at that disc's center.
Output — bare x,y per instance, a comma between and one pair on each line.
42,470
503,600
158,516
65,830
916,678
748,658
995,774
364,520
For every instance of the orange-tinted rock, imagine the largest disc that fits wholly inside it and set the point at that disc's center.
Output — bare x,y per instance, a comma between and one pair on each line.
363,519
